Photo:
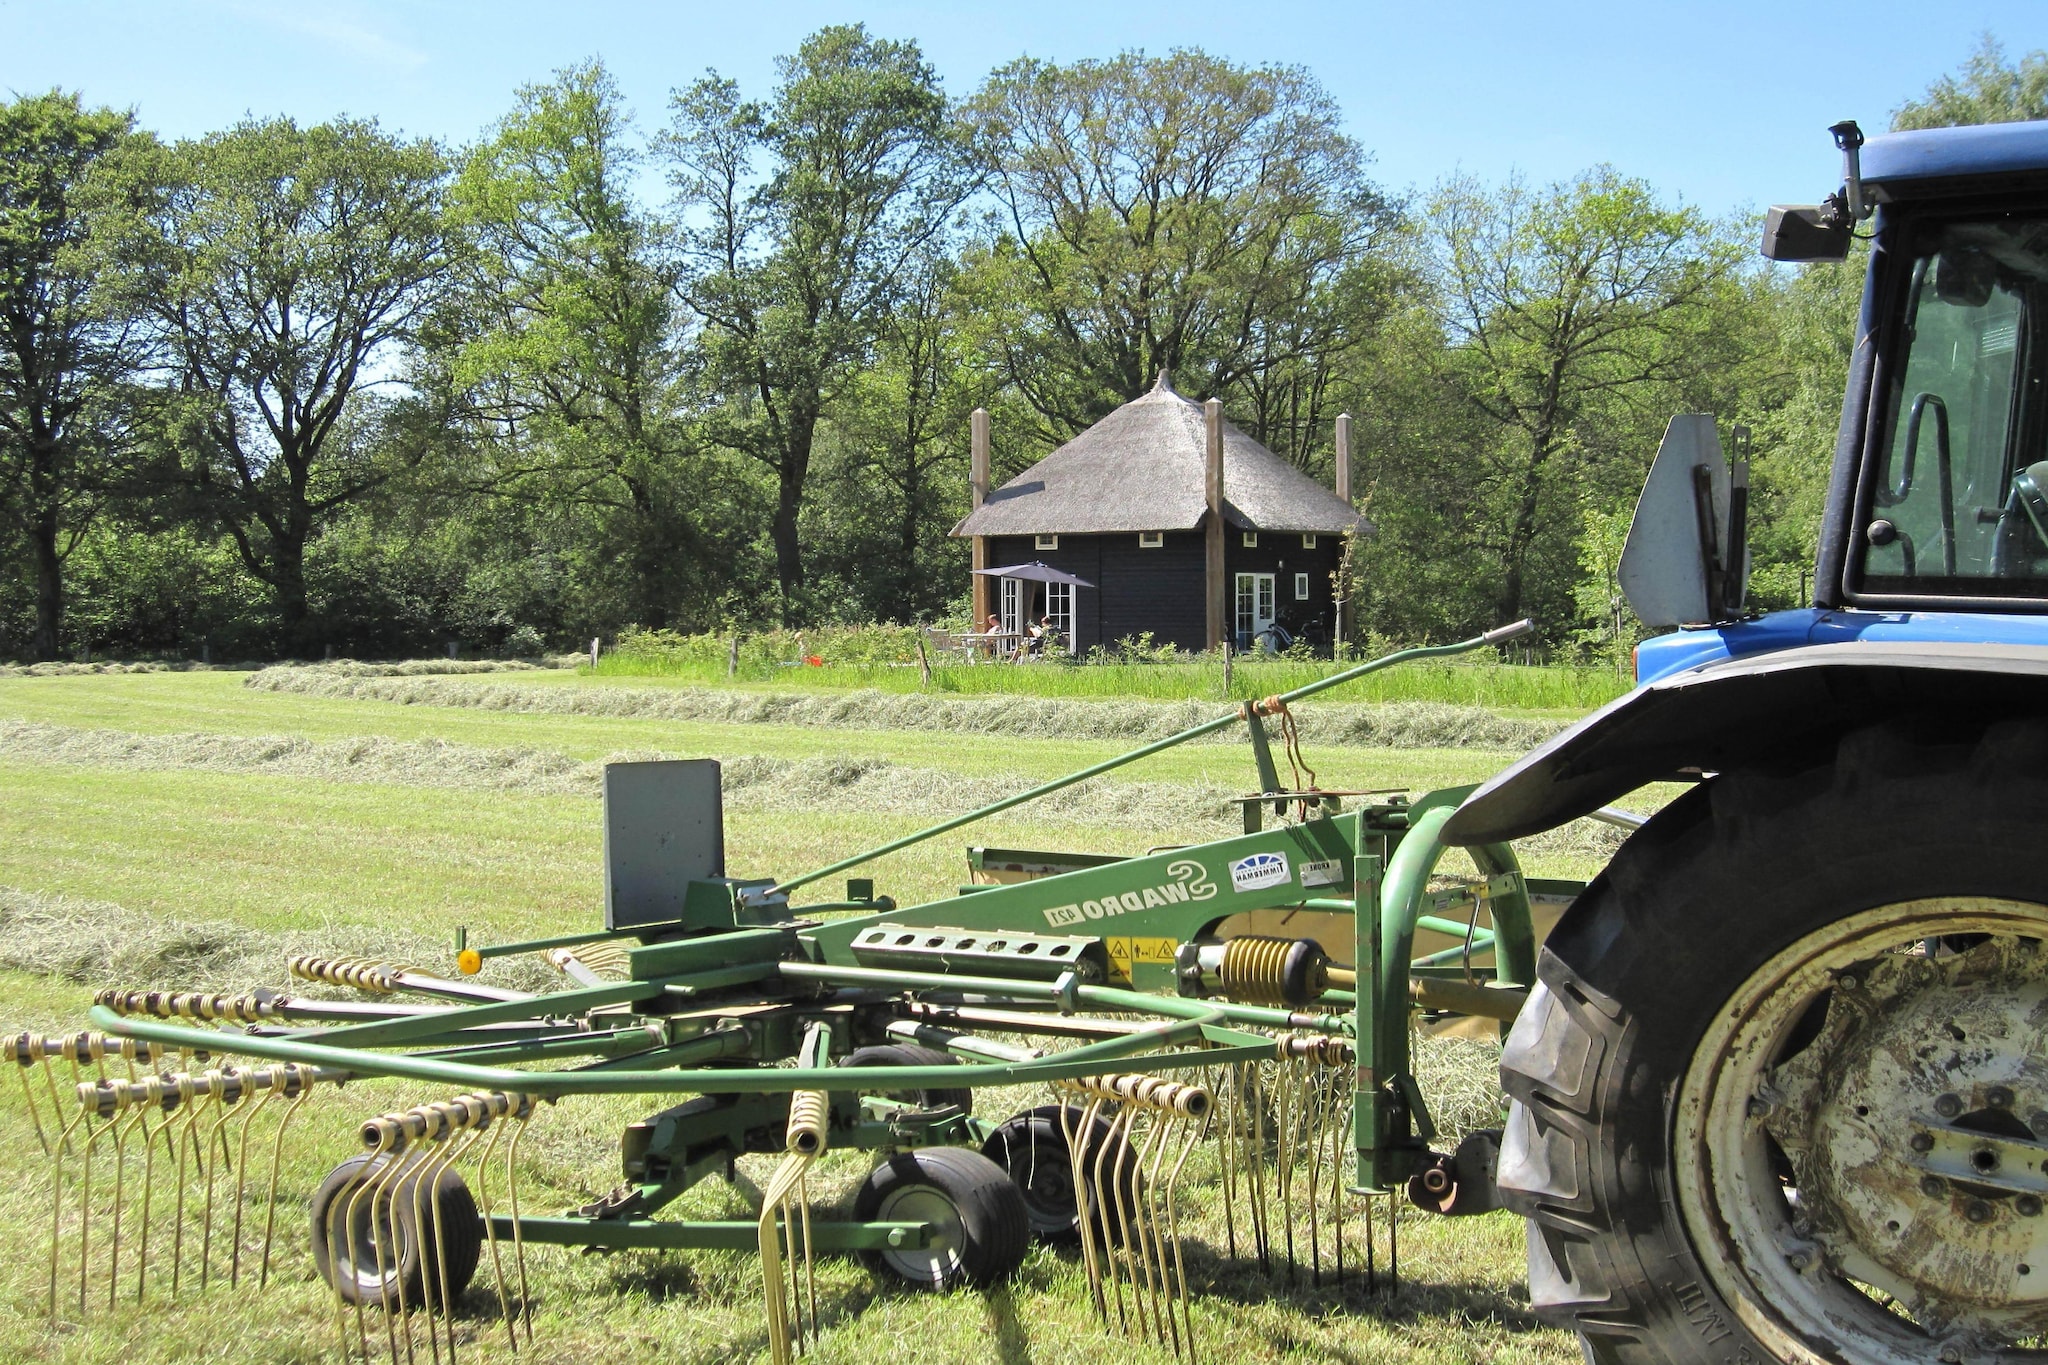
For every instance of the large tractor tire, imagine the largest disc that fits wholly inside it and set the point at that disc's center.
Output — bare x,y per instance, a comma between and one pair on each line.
1782,1090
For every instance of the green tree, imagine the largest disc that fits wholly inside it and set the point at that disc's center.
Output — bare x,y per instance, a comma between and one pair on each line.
1565,306
1179,213
799,272
286,273
67,347
898,481
568,343
1988,90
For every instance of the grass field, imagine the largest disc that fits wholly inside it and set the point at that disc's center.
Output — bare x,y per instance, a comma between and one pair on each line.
185,830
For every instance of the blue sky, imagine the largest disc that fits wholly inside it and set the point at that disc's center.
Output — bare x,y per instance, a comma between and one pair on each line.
1724,104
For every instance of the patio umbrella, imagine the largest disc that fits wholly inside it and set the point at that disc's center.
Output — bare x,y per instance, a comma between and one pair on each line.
1037,573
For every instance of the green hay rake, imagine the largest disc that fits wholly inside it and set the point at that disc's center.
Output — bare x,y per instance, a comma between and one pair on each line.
1257,992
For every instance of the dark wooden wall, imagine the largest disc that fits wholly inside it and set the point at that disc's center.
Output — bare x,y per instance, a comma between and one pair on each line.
1160,590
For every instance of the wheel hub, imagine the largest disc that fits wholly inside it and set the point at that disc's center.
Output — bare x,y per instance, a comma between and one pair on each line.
1910,1125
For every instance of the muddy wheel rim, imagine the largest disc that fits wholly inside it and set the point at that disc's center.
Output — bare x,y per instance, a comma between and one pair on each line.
1820,1123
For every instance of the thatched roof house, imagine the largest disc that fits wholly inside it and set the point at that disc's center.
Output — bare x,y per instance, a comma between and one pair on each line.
1130,505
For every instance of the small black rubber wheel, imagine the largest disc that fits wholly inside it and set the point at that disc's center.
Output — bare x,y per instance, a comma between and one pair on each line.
1032,1147
1722,1086
981,1227
379,1261
910,1054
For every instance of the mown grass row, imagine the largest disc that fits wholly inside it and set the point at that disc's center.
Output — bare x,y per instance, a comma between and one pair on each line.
887,661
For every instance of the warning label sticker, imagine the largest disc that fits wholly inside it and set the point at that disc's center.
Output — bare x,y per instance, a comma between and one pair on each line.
1125,951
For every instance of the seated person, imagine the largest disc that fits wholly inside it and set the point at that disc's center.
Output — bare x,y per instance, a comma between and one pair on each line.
1043,634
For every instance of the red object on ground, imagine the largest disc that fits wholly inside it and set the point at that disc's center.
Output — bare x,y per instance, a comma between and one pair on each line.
814,661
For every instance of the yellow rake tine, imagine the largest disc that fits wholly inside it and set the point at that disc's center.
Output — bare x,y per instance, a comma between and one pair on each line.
483,1194
128,1126
518,1236
242,1180
1194,1130
1083,1206
28,1095
1120,1129
276,1156
57,1204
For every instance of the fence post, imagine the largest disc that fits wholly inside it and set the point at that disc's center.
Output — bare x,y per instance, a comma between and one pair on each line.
1226,670
732,657
593,652
924,665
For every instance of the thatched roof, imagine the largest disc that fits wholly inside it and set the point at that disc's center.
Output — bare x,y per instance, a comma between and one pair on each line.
1142,468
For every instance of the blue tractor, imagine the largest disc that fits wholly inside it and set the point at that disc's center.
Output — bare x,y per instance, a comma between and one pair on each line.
1782,1092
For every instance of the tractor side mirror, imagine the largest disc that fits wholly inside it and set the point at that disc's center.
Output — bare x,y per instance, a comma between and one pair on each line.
1686,561
1805,232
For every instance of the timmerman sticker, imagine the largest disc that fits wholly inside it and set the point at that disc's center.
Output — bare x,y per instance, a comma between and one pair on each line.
1258,871
1322,872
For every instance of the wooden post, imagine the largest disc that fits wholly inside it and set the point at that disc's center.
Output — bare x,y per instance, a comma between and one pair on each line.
732,656
1343,593
1212,414
977,446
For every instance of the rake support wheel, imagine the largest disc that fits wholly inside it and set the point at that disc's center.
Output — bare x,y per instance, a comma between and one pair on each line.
382,1233
981,1227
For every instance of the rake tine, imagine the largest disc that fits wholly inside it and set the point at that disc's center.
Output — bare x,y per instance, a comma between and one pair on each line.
1155,1147
241,1170
1125,1221
386,1135
129,1124
483,1195
231,1089
1256,1165
1228,1088
188,1096
161,1100
1195,1130
1113,1230
523,1114
810,1255
1083,1206
57,1204
299,1084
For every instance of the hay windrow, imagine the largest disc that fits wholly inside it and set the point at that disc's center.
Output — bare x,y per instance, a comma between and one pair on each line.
98,943
1394,725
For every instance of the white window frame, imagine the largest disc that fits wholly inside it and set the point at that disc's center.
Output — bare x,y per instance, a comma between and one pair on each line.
1045,542
1308,542
1251,540
1059,605
1301,587
1151,540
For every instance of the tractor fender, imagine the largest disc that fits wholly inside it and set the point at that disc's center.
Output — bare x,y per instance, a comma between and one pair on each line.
1726,714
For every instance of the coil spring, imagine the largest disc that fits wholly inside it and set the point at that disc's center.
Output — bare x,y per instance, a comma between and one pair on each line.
1273,971
364,974
108,1098
25,1048
432,1122
1151,1092
241,1009
1317,1051
809,1112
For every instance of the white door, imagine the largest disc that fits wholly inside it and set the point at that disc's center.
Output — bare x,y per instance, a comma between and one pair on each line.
1254,606
1013,605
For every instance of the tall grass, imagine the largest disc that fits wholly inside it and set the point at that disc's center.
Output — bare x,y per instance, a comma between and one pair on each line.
884,658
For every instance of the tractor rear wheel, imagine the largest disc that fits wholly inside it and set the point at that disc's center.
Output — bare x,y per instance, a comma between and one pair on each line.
1780,1094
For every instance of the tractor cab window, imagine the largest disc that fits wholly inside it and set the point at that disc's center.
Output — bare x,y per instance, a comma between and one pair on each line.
1952,509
